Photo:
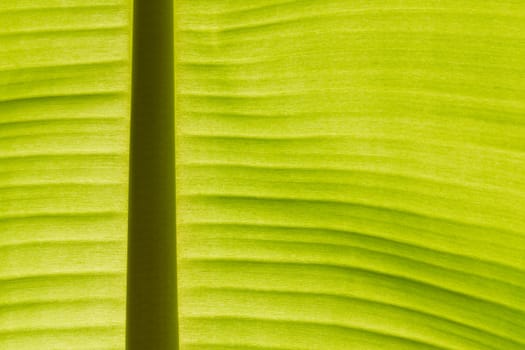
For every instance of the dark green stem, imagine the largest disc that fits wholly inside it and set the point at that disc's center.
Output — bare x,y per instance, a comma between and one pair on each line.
152,304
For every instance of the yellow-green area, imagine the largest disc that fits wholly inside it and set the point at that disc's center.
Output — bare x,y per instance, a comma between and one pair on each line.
64,130
350,174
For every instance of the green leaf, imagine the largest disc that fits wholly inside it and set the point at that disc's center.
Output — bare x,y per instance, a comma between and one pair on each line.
350,174
64,130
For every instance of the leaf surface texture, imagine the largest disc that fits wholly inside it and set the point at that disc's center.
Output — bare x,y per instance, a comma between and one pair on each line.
64,131
350,174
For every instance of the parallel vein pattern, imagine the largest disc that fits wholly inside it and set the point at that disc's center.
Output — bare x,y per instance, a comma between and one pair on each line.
350,174
64,129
